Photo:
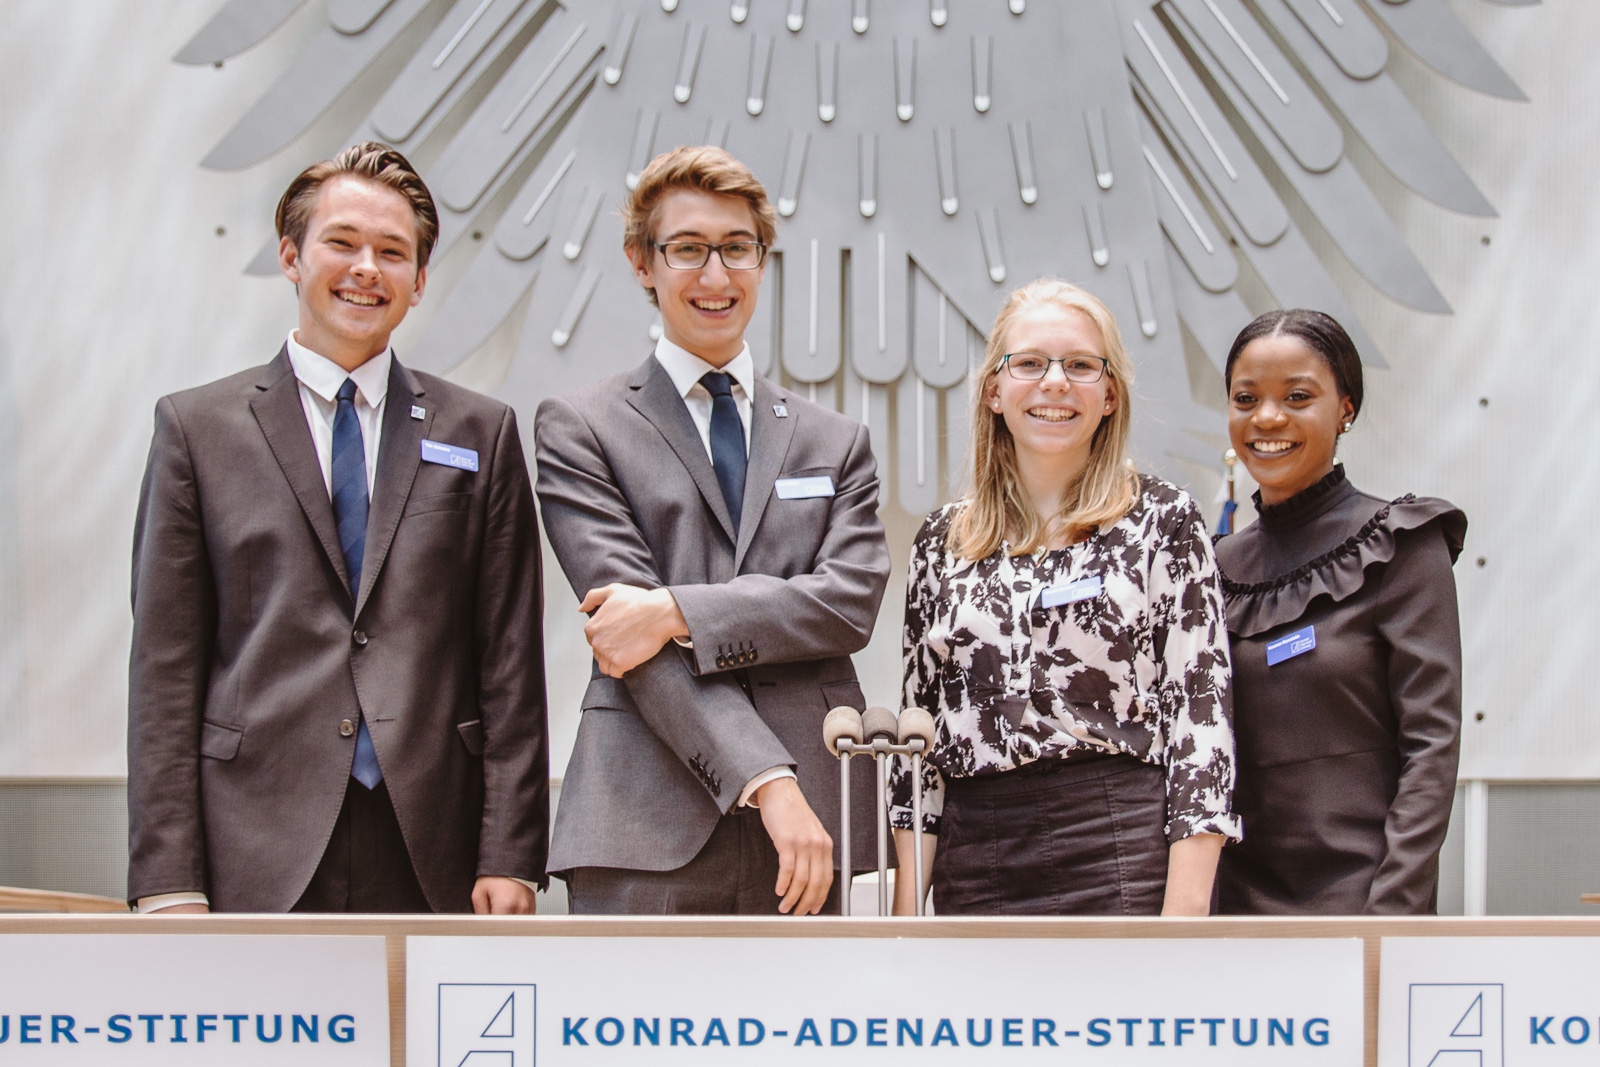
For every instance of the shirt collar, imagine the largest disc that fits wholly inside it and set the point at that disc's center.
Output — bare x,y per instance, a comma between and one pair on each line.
685,368
324,377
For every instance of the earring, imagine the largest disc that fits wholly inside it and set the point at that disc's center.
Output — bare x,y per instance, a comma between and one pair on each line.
1345,428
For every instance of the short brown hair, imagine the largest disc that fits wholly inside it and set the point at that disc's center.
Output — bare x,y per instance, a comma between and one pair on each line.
374,162
704,167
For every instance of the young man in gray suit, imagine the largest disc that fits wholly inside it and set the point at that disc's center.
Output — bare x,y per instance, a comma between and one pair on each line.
722,533
336,693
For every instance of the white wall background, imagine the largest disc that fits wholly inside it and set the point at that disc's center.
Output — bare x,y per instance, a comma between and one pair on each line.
120,281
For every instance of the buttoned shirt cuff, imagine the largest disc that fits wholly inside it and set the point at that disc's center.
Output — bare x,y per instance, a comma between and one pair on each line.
747,798
146,905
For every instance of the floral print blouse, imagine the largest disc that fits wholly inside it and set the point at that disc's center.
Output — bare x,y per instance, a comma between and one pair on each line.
1115,644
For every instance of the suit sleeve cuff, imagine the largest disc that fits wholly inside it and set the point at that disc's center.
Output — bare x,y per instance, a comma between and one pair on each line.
747,797
146,905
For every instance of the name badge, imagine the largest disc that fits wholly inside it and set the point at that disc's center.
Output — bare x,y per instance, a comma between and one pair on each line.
449,455
1295,644
1053,596
803,488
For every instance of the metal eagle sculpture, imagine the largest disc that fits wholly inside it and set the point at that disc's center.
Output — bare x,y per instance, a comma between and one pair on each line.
925,156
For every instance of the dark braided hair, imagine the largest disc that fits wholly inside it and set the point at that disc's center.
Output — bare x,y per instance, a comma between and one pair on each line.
1321,333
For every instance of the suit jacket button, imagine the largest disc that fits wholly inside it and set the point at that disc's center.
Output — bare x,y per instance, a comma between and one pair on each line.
347,728
716,788
752,655
359,637
722,661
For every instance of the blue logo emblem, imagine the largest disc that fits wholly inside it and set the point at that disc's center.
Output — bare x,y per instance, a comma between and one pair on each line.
1457,1025
486,1025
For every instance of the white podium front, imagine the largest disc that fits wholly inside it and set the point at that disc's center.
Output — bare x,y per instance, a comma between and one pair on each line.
438,991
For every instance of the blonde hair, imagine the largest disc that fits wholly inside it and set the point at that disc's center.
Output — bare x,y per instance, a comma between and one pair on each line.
997,508
705,168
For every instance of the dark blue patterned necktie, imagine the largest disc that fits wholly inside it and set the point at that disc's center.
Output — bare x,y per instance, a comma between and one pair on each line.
727,442
350,516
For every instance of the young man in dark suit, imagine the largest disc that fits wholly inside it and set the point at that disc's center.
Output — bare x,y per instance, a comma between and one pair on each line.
722,532
336,690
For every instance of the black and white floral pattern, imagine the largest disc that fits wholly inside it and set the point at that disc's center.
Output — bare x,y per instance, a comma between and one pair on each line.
1140,668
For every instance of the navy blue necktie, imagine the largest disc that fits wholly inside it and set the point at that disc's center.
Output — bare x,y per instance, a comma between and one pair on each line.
350,516
727,442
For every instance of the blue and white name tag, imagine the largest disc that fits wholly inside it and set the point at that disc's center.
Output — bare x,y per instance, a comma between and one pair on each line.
1052,596
804,488
1295,644
449,455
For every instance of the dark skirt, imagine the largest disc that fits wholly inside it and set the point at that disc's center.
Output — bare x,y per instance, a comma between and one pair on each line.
1056,837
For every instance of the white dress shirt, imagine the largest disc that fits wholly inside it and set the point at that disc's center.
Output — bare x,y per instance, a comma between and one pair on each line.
319,379
686,369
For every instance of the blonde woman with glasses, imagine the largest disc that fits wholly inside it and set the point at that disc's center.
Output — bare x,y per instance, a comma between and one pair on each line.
1064,626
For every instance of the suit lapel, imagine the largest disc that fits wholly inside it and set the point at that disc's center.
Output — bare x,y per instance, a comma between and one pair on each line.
653,395
282,419
769,445
399,456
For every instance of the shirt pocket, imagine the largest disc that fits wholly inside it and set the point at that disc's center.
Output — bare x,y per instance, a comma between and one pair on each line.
219,742
437,502
471,733
607,692
845,693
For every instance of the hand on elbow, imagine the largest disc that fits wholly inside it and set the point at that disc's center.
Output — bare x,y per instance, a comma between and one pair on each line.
628,625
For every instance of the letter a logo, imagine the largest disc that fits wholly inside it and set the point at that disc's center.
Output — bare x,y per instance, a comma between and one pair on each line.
486,1025
1457,1025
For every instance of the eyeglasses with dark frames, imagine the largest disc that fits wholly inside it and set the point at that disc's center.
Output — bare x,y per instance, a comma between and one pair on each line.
1033,366
692,255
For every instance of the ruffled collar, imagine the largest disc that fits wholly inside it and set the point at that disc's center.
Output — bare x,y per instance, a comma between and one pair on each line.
1310,503
1256,607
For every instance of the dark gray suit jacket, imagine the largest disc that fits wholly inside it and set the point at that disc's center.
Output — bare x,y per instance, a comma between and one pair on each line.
248,652
628,494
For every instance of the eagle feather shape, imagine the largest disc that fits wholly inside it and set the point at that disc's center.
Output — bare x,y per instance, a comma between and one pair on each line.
924,159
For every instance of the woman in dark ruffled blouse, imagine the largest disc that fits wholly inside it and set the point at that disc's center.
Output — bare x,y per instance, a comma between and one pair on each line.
1346,647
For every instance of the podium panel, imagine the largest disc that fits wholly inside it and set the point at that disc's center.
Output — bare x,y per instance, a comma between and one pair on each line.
517,1002
210,998
1488,1002
544,991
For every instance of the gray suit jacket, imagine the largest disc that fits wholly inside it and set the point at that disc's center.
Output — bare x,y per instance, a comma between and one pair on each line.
628,494
248,651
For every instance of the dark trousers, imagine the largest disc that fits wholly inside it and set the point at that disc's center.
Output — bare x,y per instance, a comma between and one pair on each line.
1081,836
733,874
365,867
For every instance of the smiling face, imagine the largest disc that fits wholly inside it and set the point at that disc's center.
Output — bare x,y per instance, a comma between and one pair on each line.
356,270
704,311
1053,420
1285,414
